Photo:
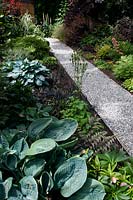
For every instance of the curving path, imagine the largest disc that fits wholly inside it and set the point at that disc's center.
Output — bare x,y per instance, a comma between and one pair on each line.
112,103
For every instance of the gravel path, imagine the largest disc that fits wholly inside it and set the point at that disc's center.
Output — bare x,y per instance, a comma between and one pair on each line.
112,103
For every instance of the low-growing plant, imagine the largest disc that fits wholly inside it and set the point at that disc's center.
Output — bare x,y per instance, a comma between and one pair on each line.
114,170
33,163
128,84
49,61
27,72
36,112
101,64
89,56
89,40
78,109
13,100
123,69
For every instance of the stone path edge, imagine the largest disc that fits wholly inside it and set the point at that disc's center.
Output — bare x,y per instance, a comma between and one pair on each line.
113,103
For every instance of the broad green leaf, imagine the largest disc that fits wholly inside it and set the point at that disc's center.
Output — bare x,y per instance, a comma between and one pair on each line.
69,144
61,130
4,143
11,161
0,176
41,146
46,182
37,126
8,185
29,188
92,190
21,147
15,194
2,191
34,167
71,176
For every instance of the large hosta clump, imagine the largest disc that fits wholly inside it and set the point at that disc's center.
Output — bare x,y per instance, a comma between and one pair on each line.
33,163
27,72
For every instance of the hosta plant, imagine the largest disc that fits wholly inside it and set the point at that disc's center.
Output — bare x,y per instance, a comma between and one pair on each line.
27,72
34,165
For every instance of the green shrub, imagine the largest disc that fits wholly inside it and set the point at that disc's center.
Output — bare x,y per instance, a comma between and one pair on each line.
89,40
27,72
33,46
123,69
128,84
107,52
126,47
33,163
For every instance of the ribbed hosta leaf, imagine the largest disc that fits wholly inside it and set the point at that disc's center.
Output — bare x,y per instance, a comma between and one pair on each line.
15,194
41,146
21,147
92,190
61,130
37,126
71,176
29,188
8,185
34,167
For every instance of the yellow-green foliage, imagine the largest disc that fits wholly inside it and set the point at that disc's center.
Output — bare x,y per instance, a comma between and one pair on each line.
128,84
104,51
123,69
107,52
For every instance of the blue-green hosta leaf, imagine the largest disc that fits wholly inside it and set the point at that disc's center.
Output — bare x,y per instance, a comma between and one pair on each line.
15,194
29,188
0,176
37,126
8,185
92,190
21,147
4,143
41,146
13,75
61,130
71,176
41,78
34,167
38,82
46,182
2,191
11,161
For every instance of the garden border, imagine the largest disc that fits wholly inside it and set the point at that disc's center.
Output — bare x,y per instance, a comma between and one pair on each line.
113,103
